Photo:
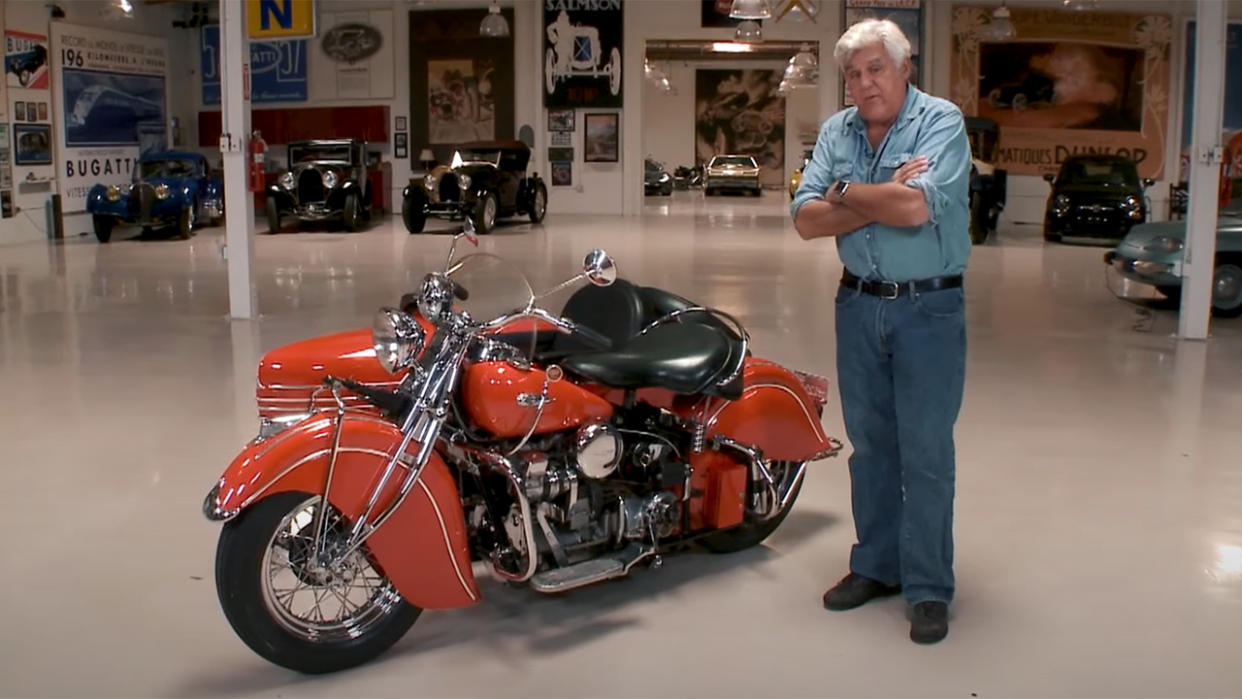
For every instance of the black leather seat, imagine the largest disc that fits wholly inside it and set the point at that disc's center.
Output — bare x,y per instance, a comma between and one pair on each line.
615,311
686,358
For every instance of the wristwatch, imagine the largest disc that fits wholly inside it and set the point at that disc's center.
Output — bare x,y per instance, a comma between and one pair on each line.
839,188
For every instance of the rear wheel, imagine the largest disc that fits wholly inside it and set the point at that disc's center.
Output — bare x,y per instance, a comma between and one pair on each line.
292,611
753,531
273,215
103,227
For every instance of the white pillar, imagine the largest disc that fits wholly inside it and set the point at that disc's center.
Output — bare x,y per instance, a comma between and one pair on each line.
239,202
1204,179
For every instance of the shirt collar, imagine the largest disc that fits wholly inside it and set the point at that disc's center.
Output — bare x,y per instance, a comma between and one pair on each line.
911,107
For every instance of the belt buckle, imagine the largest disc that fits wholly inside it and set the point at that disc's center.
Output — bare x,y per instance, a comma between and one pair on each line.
884,287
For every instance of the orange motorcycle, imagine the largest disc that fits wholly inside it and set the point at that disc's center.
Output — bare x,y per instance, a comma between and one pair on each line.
553,450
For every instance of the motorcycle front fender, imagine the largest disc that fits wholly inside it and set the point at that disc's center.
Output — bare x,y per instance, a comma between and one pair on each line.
422,548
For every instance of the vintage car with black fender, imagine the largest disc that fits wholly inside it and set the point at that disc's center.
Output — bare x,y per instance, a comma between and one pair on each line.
656,179
1095,196
326,179
988,183
486,180
168,188
555,449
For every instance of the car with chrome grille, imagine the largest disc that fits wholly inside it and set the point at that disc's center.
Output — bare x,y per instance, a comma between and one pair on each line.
733,173
326,180
169,188
1095,196
1153,254
484,181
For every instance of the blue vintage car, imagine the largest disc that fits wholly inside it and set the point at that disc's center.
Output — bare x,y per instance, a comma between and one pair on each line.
169,188
24,64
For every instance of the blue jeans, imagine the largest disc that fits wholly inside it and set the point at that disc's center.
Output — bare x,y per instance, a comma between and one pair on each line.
901,368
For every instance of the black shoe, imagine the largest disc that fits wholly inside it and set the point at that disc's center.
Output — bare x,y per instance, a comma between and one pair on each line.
854,591
929,622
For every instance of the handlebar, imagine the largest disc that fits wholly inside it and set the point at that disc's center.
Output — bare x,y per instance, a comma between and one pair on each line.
566,326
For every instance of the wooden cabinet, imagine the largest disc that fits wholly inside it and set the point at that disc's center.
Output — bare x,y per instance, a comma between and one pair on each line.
281,126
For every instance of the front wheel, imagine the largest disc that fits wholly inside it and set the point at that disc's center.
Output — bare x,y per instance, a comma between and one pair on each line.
351,213
103,227
412,213
273,215
186,221
1227,290
539,203
485,212
293,612
978,221
752,532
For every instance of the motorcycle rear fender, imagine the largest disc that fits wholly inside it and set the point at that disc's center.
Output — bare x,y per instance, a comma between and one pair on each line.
422,548
775,414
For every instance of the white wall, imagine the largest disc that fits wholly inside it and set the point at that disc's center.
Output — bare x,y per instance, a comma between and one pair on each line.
32,16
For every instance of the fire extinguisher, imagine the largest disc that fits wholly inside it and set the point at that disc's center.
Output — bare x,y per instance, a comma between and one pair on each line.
258,151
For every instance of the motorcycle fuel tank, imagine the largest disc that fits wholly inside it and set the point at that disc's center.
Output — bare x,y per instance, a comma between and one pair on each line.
504,400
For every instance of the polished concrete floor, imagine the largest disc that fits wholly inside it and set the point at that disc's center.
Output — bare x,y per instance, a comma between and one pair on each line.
1099,511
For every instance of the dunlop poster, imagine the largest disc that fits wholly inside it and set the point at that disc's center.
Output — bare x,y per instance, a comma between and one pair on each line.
1071,83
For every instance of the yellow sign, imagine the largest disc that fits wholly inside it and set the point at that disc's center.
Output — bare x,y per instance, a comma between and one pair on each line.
280,19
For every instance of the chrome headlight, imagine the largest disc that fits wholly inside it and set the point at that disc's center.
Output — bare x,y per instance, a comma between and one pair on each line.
664,177
429,183
464,181
1133,206
1164,243
114,193
330,179
161,191
286,180
435,299
398,339
1061,205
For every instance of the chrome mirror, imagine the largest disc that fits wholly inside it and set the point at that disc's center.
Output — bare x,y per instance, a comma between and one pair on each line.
600,268
467,232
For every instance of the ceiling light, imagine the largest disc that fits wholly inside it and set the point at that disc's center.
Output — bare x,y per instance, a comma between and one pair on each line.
731,47
749,30
750,9
494,25
804,58
1081,5
1001,27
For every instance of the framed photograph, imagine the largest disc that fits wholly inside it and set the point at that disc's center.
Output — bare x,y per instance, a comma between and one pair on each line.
562,138
43,111
560,120
400,145
32,144
602,143
401,124
562,174
19,111
560,154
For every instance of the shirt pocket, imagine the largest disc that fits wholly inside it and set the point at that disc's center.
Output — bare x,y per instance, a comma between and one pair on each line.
889,164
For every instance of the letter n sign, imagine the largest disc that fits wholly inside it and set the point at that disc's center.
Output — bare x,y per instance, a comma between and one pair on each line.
280,19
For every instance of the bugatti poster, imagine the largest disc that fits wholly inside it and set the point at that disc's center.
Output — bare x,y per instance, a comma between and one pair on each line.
112,98
582,47
25,60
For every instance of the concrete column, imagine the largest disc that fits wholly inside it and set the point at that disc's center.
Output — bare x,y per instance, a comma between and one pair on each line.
1204,176
238,201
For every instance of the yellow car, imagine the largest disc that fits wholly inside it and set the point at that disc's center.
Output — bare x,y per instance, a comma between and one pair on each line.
796,178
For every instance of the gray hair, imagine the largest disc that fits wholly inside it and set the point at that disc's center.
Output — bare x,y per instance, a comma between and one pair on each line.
869,32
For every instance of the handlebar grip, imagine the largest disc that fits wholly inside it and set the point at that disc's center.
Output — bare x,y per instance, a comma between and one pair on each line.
460,292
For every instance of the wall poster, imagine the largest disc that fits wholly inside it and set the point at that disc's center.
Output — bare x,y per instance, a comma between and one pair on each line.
906,14
112,103
460,107
1075,83
277,68
353,58
1232,123
582,53
739,112
26,60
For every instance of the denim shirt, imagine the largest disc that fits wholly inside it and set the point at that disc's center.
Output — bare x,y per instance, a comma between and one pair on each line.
925,125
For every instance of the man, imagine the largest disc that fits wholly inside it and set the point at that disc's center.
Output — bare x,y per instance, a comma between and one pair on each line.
889,180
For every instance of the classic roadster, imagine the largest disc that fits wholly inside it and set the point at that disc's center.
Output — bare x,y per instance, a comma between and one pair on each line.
326,179
24,64
486,180
168,188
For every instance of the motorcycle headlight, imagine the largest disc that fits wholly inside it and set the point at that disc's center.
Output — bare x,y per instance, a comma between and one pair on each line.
398,339
114,193
1164,244
429,183
1061,204
330,179
161,191
464,181
435,299
286,180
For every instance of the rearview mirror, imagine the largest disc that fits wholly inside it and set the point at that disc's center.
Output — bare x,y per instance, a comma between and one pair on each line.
468,230
599,268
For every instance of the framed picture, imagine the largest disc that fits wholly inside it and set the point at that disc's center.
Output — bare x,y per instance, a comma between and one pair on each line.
560,154
32,144
43,111
400,145
562,174
602,143
19,111
560,120
562,138
401,124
